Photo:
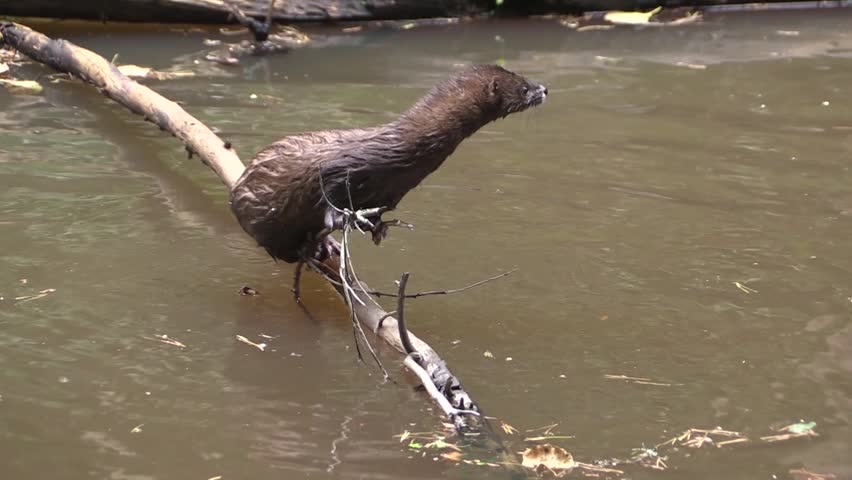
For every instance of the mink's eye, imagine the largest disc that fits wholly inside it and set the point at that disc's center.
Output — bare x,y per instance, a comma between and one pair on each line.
526,89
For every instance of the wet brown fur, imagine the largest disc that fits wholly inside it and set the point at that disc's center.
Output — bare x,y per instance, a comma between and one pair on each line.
282,199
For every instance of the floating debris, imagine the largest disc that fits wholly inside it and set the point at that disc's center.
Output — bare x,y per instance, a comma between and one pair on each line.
796,430
29,298
245,290
508,429
25,87
697,438
802,474
654,18
638,380
739,285
692,66
548,457
617,17
165,339
259,346
137,72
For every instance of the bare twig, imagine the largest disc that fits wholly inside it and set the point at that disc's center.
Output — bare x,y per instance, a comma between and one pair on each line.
346,272
379,294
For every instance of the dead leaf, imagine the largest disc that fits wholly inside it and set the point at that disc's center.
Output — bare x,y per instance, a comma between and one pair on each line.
26,87
4,68
630,18
137,428
548,456
488,354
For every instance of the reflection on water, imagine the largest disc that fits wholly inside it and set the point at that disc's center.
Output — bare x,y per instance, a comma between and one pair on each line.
679,209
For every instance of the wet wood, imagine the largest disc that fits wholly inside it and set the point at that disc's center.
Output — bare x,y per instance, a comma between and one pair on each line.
215,153
215,11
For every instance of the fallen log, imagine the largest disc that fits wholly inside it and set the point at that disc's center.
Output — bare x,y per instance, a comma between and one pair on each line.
220,156
217,11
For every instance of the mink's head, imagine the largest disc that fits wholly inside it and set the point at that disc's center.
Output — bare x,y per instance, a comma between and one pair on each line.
503,92
473,97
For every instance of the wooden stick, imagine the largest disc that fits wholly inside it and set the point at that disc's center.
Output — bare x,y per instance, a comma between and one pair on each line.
215,153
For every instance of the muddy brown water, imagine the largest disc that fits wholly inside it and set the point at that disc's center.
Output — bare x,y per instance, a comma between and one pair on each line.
667,167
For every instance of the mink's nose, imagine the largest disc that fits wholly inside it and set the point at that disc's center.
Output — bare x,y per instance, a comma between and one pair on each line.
542,89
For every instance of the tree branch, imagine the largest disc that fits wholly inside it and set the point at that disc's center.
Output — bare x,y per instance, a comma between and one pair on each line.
215,153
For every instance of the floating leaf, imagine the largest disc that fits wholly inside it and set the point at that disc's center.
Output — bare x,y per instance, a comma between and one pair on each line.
630,18
548,456
799,428
137,428
28,87
415,445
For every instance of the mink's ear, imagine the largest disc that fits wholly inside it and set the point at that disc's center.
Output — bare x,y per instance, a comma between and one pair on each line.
493,86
